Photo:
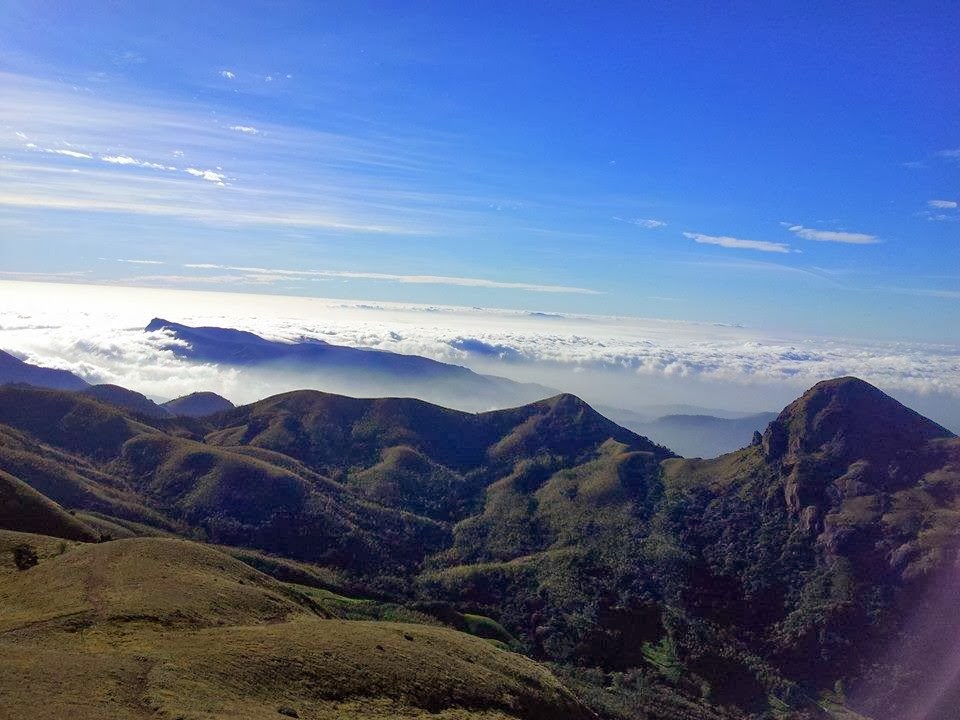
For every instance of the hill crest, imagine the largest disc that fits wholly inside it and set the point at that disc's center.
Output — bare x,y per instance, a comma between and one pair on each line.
847,419
198,404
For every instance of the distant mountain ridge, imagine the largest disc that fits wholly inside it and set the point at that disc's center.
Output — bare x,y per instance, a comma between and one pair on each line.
359,372
374,373
14,370
704,436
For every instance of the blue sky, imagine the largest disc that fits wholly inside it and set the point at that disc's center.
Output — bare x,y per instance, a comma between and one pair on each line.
783,166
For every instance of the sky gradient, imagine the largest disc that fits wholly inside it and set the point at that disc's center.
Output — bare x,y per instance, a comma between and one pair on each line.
785,168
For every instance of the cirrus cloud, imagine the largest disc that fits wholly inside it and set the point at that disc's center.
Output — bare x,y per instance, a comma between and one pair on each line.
276,274
851,238
738,243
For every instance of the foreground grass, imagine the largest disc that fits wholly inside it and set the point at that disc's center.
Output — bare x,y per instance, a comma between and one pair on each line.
154,627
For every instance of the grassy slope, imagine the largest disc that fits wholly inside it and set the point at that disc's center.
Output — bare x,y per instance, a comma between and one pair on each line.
146,627
23,508
563,529
318,477
75,481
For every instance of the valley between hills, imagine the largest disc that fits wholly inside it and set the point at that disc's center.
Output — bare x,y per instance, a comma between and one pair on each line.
319,556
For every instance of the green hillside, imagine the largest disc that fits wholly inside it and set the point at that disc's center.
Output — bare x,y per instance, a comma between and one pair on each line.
805,576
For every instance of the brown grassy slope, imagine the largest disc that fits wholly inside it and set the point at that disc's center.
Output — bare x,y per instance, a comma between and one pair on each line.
164,581
45,546
23,508
396,665
166,628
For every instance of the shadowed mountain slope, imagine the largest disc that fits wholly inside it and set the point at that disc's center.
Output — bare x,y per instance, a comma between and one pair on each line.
120,397
13,370
24,509
70,421
845,420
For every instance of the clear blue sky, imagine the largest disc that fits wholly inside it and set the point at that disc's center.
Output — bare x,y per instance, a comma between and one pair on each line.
781,165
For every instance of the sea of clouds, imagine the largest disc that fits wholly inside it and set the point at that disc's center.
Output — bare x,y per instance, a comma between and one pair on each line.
631,363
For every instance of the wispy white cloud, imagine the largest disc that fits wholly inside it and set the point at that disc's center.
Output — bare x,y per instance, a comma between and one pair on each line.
738,243
142,262
826,275
54,189
70,153
228,74
367,181
208,175
119,160
851,238
294,177
274,274
127,160
648,223
950,153
245,129
942,204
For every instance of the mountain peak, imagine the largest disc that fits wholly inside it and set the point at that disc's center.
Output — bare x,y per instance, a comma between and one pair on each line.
849,419
198,404
567,402
157,324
